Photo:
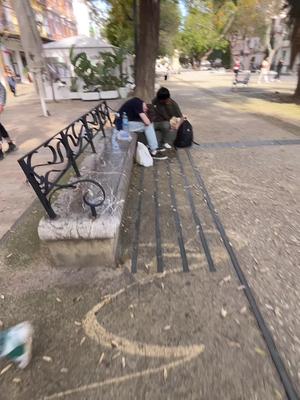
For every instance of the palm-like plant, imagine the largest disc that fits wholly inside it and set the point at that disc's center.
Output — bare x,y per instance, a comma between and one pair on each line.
294,14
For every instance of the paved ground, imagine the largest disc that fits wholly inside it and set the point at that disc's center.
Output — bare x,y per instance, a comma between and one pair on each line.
222,223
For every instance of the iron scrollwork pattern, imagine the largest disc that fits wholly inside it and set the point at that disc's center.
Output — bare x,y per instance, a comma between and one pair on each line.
60,153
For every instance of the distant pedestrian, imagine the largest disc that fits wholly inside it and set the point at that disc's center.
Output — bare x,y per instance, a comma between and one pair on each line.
236,67
11,79
167,72
279,68
3,132
16,343
264,71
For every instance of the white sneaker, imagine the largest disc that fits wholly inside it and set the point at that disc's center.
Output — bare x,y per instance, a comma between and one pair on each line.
17,344
157,155
167,146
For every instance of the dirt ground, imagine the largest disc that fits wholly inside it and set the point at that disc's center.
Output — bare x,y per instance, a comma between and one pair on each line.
187,331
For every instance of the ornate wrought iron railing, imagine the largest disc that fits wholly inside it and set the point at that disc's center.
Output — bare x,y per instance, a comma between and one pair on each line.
45,165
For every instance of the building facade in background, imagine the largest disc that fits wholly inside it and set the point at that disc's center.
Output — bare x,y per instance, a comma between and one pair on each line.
55,20
88,17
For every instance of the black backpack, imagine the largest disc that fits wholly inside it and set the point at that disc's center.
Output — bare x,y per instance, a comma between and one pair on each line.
184,136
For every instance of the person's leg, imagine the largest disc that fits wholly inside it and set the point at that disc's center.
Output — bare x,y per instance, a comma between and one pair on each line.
136,126
165,133
5,135
260,77
1,151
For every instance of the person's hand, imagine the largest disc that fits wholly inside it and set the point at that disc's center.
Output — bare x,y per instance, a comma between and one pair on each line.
1,108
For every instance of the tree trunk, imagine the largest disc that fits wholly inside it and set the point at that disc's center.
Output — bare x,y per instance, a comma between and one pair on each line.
149,13
297,91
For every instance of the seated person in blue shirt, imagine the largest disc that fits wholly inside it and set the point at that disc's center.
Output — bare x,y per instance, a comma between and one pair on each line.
138,121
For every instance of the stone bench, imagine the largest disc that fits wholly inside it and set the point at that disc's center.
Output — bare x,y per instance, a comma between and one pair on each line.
81,176
75,237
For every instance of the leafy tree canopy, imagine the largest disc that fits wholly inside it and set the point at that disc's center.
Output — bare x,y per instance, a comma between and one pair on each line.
120,25
206,26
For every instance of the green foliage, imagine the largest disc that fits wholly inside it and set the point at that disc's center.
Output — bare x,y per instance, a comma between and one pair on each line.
169,26
250,18
85,70
105,74
119,29
203,28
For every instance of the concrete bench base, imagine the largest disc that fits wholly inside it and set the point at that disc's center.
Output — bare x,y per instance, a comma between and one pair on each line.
76,238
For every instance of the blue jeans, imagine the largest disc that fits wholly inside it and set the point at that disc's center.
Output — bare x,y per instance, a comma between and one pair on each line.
136,126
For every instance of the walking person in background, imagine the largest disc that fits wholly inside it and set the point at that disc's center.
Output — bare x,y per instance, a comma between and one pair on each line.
264,71
279,68
236,67
3,132
11,79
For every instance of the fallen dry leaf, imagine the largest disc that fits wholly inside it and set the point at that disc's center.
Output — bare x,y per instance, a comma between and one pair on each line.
232,343
123,362
76,299
47,358
131,315
277,312
64,370
224,280
278,395
5,369
2,296
167,327
114,344
260,351
223,312
269,307
82,340
162,286
77,323
146,267
101,359
16,380
241,287
9,255
58,300
165,374
243,310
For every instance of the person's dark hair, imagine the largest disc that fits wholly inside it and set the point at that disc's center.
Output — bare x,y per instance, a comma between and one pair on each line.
163,94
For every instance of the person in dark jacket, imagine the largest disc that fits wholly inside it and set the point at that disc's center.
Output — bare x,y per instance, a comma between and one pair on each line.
3,132
163,110
279,68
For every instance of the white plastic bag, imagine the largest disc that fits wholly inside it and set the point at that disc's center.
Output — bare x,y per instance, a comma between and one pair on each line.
142,155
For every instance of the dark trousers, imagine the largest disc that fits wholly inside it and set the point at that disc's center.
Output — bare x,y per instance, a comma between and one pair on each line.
3,133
